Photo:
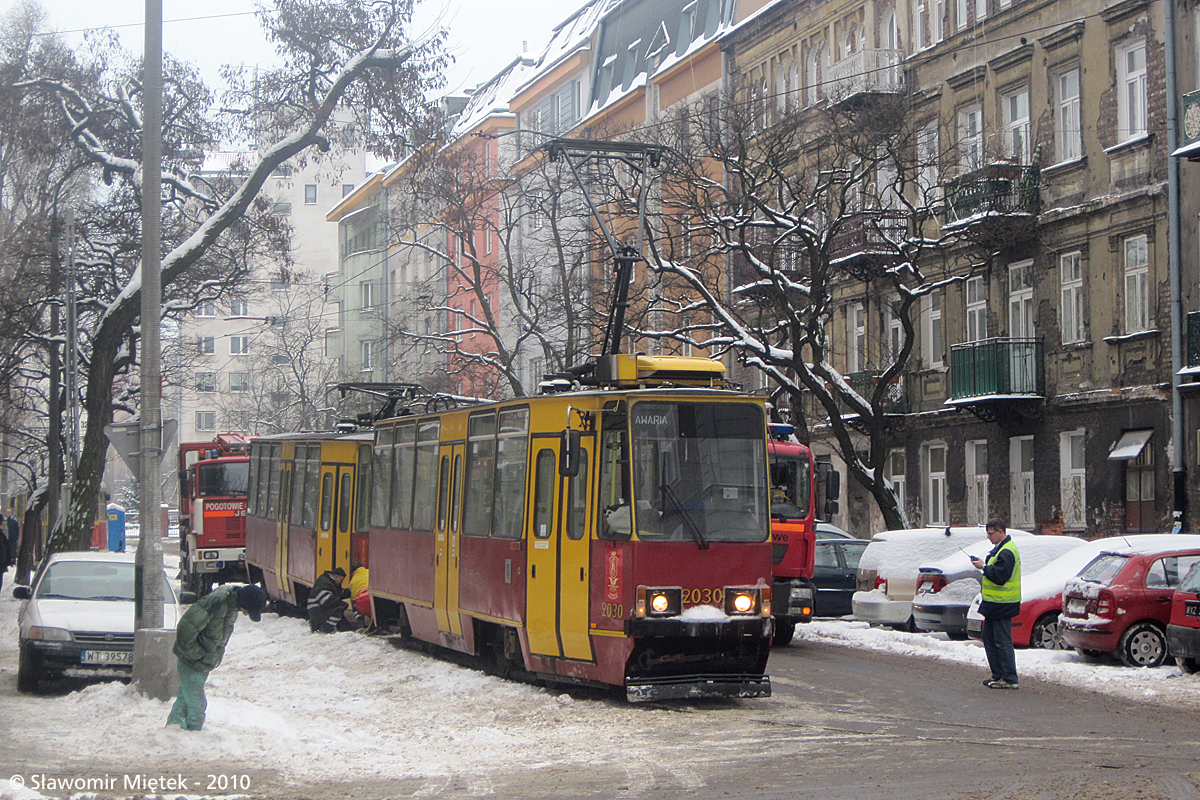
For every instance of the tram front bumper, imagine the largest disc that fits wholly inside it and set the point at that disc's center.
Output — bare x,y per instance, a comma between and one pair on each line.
732,628
683,687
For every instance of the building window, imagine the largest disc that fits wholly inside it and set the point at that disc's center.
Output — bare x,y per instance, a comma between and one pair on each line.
962,13
895,327
208,308
239,345
331,349
977,482
368,356
1131,90
897,467
239,381
206,420
310,194
1070,268
1020,460
239,307
1015,108
207,345
281,208
1068,119
856,336
1073,495
935,484
981,11
1137,279
206,381
932,334
366,291
976,309
347,189
938,20
928,172
921,25
970,138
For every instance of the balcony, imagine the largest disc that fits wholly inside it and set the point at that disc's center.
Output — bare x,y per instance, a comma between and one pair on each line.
997,371
867,72
995,204
895,399
868,238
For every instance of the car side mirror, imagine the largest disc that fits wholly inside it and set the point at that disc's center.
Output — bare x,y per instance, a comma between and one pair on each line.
21,592
187,598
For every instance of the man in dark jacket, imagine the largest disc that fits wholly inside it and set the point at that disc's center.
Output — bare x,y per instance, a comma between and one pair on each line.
1001,602
3,558
200,639
327,602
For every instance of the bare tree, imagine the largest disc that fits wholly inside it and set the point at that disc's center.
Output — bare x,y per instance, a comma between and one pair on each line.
771,222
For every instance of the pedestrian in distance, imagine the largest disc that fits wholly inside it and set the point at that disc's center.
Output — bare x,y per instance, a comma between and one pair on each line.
1001,602
3,558
200,639
13,528
327,602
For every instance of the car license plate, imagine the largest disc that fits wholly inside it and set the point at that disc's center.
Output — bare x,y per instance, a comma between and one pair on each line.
975,625
1077,606
1191,609
106,657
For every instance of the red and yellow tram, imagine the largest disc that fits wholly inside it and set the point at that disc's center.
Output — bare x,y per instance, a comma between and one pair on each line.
616,536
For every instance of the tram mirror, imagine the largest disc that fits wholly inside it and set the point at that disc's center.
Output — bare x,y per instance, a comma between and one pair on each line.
569,453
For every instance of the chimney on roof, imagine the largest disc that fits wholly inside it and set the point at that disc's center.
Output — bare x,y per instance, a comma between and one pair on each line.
524,45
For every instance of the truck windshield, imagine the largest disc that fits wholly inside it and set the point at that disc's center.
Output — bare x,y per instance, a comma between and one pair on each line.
699,472
224,479
791,485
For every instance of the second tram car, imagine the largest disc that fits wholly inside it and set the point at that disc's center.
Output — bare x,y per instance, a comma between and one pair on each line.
612,537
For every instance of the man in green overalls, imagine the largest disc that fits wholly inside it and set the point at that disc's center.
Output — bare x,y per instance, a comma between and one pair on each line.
1001,602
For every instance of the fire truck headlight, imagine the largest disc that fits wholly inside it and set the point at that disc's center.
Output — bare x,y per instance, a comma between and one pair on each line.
210,555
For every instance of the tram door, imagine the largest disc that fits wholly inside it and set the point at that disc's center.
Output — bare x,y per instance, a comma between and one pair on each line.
556,614
449,500
333,538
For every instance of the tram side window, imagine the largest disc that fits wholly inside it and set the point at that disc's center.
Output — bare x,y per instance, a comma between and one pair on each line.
443,486
543,494
577,502
273,498
425,479
326,500
512,454
298,465
362,509
614,479
252,491
402,476
263,482
344,502
382,473
312,474
481,461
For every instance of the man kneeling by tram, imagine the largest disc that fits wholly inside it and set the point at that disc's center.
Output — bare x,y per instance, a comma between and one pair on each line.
327,604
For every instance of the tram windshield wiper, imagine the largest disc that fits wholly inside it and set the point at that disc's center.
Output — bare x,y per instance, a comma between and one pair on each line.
688,522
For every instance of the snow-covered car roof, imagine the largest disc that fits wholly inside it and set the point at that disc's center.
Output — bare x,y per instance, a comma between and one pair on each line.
1150,543
899,553
1036,552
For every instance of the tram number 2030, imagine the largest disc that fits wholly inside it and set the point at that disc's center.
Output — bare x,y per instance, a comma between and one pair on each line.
693,597
612,610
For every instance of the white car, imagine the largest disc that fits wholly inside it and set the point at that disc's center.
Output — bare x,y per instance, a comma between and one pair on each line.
78,616
888,570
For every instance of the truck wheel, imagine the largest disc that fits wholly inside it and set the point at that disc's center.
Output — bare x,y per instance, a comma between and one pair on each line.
784,631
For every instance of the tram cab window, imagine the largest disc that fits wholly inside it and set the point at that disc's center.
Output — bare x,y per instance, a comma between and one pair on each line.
614,500
344,502
577,502
382,475
543,494
362,509
326,500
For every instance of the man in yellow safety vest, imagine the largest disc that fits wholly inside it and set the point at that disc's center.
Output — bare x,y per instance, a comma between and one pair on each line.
1001,602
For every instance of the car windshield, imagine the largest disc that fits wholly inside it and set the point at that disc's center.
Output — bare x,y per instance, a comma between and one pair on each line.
1103,568
87,580
224,479
699,472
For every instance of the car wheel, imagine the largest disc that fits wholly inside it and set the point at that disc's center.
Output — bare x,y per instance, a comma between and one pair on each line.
1143,645
956,636
28,670
784,631
1046,635
1188,666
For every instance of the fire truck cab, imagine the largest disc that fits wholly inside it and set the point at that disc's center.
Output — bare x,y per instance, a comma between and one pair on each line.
212,511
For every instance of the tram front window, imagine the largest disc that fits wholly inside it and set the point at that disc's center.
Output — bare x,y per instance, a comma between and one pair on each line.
228,479
699,472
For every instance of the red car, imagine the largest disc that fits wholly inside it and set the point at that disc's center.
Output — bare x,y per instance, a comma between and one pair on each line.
1183,633
1121,602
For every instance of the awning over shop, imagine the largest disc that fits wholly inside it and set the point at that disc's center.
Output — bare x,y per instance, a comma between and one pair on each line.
1131,444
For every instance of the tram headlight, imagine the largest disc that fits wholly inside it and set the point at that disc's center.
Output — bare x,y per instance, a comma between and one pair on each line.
659,602
741,601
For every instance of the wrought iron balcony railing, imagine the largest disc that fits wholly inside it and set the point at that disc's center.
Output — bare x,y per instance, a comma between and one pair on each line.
870,71
868,233
997,369
997,190
895,401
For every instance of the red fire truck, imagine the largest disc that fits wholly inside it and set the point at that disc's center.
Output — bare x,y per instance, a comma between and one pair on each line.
798,489
212,511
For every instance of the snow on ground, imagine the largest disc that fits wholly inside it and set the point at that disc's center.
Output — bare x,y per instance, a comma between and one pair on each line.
311,708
